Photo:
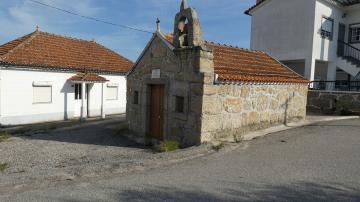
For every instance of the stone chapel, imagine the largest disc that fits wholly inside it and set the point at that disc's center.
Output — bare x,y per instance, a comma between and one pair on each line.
189,90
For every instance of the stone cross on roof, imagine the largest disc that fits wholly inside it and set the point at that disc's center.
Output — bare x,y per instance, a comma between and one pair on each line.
158,24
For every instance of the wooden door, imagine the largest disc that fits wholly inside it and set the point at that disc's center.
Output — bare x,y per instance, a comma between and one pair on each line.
342,30
157,111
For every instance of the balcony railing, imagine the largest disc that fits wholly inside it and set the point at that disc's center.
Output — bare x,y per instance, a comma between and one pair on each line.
336,85
349,52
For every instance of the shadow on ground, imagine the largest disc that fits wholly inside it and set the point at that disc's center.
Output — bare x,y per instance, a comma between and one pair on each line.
104,134
295,192
299,192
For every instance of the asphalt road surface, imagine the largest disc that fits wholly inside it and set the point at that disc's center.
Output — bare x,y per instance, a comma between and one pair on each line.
314,163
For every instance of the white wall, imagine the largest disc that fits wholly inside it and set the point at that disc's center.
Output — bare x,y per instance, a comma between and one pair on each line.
16,97
111,106
289,30
325,49
284,28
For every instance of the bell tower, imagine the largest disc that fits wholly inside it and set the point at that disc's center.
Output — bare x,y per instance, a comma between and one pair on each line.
187,28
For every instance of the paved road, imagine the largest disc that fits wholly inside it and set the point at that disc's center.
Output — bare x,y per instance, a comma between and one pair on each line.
314,163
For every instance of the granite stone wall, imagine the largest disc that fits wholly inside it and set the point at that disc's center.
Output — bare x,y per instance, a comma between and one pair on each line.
183,73
211,111
332,102
229,111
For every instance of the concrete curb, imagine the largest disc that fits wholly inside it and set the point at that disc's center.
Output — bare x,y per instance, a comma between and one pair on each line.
311,120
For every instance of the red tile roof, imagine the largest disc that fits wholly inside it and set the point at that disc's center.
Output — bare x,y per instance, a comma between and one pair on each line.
90,77
234,64
48,50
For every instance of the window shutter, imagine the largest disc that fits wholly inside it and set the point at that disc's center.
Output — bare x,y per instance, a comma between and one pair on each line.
112,93
327,25
42,94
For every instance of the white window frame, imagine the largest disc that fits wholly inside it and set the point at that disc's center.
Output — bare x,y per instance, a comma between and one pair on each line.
355,33
45,84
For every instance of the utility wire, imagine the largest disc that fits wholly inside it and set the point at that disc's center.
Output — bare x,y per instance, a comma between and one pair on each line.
91,18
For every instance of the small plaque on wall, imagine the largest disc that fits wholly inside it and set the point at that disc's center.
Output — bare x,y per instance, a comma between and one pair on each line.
155,74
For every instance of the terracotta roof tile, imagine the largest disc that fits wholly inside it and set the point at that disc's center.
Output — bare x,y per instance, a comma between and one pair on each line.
90,77
243,65
12,44
49,50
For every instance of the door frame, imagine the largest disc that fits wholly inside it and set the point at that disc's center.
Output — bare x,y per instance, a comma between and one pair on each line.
344,25
77,106
341,34
148,82
160,136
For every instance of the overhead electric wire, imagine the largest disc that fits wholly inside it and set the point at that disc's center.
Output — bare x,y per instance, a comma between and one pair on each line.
90,18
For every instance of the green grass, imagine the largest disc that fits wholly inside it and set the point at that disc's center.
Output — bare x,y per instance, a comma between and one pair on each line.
4,136
3,167
168,146
218,147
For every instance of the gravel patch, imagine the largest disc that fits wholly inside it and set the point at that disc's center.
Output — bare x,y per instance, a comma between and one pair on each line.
76,154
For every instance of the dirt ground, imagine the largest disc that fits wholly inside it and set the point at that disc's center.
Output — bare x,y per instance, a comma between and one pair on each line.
99,149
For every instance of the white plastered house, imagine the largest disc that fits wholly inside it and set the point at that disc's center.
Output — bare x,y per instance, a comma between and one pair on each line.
319,39
46,77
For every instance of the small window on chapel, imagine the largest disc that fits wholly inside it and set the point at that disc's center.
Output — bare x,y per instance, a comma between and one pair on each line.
179,104
136,97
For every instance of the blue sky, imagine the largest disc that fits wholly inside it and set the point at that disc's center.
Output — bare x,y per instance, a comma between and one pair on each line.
222,21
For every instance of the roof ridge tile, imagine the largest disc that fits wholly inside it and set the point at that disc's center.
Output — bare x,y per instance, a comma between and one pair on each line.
66,37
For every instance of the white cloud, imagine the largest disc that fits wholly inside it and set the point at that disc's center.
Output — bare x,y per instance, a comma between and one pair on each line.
20,18
219,19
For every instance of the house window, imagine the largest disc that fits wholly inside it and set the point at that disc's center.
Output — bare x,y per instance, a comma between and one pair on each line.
78,88
355,33
327,27
136,97
179,104
112,93
42,94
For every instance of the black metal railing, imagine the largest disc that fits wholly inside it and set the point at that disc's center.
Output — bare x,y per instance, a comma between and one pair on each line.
336,85
349,52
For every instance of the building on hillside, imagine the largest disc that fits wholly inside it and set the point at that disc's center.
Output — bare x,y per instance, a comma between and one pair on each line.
185,89
46,77
319,39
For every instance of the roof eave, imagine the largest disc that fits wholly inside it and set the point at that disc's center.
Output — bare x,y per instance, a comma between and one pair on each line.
59,69
162,38
238,82
255,7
